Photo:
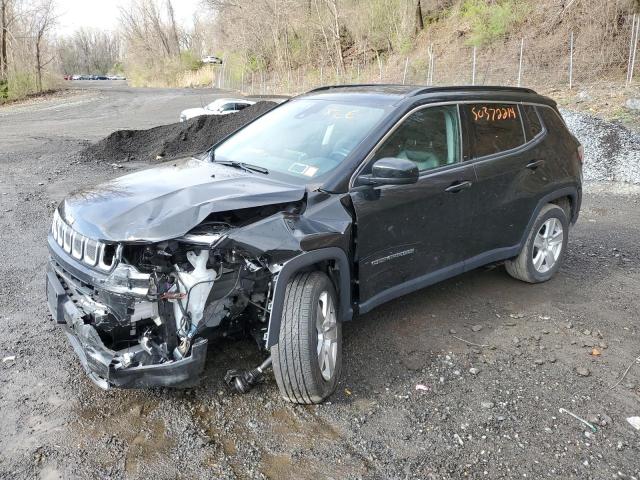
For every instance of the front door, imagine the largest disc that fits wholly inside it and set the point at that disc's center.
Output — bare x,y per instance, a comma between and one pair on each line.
409,236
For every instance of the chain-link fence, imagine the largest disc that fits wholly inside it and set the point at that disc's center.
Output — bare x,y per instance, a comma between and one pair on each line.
517,62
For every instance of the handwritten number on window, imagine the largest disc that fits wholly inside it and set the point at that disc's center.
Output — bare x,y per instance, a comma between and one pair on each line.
493,114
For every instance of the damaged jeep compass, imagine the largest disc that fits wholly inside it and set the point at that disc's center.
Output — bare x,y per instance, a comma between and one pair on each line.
325,207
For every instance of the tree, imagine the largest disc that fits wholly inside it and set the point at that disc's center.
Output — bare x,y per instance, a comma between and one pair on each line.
43,20
3,40
419,19
88,51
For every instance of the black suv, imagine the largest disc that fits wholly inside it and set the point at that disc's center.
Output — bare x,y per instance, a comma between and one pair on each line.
329,205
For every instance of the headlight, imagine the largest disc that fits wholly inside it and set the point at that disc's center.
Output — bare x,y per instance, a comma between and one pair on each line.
55,226
88,251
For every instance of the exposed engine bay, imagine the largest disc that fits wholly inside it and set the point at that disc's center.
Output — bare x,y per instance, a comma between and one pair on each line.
156,300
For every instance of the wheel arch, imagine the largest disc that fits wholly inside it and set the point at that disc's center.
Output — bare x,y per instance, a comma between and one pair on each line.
571,195
321,259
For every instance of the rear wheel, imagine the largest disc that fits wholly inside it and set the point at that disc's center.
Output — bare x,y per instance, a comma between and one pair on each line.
544,249
307,360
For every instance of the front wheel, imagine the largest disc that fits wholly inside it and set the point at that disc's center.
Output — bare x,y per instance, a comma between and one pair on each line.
544,250
308,357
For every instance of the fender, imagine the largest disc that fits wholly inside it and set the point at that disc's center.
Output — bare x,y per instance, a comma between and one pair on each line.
298,263
504,253
575,192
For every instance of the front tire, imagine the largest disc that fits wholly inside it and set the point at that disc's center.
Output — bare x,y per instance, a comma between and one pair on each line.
307,360
544,250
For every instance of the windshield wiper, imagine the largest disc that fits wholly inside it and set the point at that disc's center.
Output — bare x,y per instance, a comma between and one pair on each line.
247,167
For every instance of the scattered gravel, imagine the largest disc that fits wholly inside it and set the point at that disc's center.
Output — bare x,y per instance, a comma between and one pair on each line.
611,151
503,423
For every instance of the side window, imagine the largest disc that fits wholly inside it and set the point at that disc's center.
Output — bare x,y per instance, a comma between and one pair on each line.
552,120
228,107
241,106
494,127
429,137
532,122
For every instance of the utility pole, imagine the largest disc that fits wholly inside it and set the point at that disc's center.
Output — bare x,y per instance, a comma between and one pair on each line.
571,61
473,68
520,64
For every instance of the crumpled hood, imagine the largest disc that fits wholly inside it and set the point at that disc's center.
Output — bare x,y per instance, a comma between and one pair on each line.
167,201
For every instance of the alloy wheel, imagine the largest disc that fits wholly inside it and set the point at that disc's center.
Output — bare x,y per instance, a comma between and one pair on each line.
327,328
547,245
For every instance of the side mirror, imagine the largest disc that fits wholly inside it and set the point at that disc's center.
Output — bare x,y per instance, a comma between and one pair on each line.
391,171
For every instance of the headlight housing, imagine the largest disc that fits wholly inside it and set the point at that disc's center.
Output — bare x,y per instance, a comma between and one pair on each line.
90,252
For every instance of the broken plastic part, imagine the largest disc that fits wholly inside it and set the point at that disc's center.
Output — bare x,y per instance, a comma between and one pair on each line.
244,380
197,285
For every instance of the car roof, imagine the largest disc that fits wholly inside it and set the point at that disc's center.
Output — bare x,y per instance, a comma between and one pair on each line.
395,93
234,100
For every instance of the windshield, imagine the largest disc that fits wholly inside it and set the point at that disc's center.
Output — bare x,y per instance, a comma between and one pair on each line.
305,139
216,104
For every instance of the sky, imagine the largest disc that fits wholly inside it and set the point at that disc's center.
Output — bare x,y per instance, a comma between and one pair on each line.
103,14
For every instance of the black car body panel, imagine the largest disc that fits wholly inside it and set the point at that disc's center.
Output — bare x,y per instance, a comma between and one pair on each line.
147,268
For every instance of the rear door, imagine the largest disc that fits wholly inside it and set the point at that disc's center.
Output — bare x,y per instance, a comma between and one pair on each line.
412,235
510,169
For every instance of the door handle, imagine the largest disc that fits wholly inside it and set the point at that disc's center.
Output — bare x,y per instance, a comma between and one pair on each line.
458,186
535,164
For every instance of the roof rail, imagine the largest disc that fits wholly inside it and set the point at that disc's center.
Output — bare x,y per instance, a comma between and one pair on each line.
346,85
414,90
481,88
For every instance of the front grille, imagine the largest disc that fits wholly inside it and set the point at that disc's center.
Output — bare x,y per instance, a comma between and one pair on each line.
90,252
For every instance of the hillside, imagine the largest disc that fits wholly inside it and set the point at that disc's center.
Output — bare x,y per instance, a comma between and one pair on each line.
429,41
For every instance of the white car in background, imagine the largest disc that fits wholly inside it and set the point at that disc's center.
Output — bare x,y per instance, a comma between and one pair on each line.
212,60
222,106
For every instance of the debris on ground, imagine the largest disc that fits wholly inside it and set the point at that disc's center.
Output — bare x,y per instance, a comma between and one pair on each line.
171,141
583,371
634,422
588,424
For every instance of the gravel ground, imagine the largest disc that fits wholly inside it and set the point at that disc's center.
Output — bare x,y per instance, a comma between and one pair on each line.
493,359
611,151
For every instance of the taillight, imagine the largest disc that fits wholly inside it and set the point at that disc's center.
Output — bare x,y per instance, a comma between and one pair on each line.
581,154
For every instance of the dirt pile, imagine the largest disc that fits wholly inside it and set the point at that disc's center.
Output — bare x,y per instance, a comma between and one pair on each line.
173,140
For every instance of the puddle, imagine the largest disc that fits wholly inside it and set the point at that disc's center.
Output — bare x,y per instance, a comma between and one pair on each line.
143,436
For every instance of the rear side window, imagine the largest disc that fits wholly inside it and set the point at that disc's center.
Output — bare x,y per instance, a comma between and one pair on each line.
494,127
532,122
552,120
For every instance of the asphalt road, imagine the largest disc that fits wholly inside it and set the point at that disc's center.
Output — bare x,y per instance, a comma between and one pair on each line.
529,344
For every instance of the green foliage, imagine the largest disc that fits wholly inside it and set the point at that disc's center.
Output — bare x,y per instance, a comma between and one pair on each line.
22,83
492,20
190,61
117,69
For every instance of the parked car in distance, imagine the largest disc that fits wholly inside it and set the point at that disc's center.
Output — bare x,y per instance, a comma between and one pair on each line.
212,60
221,106
331,204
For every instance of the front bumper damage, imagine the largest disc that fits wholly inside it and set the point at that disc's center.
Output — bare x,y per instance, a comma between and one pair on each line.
104,366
